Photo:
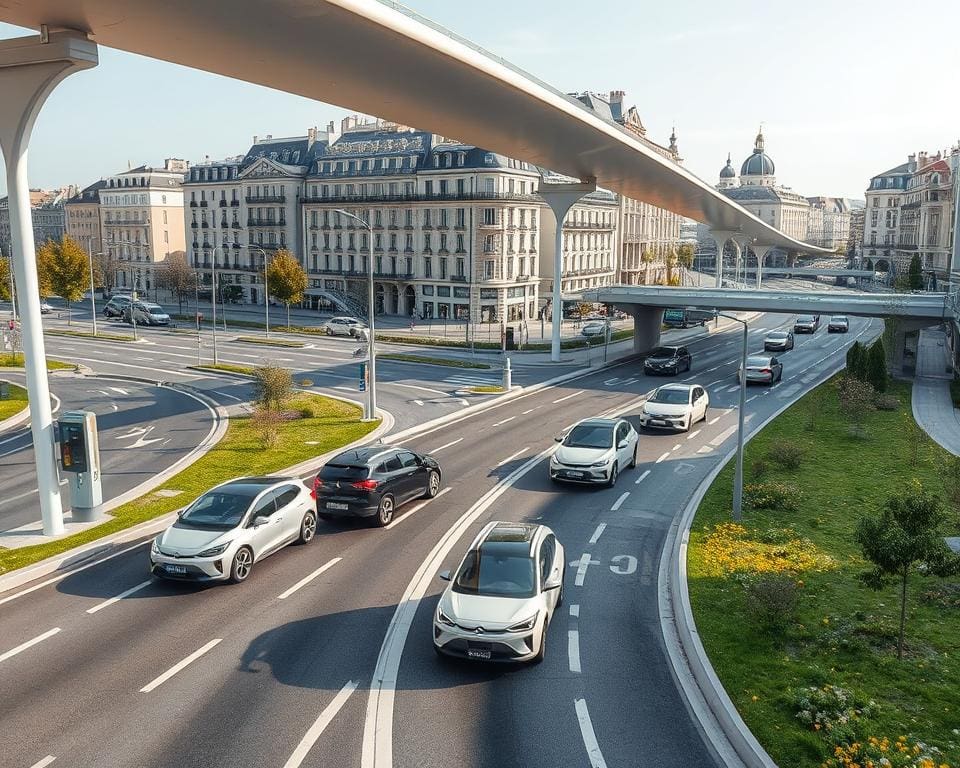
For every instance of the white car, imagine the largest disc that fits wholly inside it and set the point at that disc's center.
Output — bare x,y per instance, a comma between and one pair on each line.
232,526
595,451
45,309
595,328
343,326
675,406
502,596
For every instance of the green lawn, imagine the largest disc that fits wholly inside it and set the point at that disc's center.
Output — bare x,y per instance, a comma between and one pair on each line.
843,634
240,452
16,361
431,360
13,404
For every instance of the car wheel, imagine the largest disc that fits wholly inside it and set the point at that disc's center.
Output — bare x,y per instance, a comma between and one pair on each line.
689,365
541,654
613,473
329,331
384,514
633,458
352,332
242,564
308,528
433,484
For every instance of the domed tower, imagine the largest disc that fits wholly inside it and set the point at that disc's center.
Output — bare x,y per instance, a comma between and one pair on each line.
728,176
758,169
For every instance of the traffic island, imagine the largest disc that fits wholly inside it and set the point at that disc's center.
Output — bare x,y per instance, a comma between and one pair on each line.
269,342
804,648
99,336
322,425
13,400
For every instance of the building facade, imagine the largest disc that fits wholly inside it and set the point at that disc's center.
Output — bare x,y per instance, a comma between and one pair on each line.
141,221
926,218
829,222
82,212
47,215
881,228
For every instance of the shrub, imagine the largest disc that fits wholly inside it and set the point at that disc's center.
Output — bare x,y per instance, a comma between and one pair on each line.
771,599
876,372
785,454
758,469
833,711
885,753
266,423
307,412
306,382
772,495
856,360
272,387
886,403
856,399
731,548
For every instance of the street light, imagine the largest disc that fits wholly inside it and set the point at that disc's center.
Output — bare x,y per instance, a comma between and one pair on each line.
93,305
213,298
371,409
266,288
738,476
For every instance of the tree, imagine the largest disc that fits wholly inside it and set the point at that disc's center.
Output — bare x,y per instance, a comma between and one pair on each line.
647,257
906,533
876,367
915,273
671,261
106,265
63,270
174,274
6,269
856,361
272,387
856,400
685,254
286,279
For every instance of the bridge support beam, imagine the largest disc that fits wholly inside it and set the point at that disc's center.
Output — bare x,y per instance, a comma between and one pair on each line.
761,252
30,68
646,328
560,198
720,238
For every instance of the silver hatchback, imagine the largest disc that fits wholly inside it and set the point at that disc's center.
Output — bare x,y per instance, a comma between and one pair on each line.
765,369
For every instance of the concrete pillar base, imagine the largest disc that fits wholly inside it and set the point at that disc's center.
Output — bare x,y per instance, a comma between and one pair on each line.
646,328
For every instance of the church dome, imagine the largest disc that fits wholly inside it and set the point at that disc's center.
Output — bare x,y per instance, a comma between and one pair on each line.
728,172
759,163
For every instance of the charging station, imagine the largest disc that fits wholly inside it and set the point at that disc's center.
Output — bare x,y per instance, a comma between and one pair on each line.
80,459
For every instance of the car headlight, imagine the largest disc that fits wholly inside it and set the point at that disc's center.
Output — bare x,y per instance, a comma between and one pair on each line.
444,619
600,463
214,550
524,626
155,547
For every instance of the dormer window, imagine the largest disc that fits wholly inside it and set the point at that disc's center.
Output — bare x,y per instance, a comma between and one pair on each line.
461,158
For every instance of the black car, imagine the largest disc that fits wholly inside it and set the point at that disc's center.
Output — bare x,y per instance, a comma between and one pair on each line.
668,360
373,482
806,324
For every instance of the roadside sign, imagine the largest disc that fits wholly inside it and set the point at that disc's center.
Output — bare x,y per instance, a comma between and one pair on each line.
363,377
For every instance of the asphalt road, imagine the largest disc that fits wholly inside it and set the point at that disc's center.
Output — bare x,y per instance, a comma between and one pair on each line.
143,429
259,679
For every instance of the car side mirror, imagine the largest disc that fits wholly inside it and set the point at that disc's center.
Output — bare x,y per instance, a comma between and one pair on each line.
622,444
554,581
558,439
445,575
260,520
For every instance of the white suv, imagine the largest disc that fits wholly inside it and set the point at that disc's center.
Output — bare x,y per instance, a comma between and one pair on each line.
343,326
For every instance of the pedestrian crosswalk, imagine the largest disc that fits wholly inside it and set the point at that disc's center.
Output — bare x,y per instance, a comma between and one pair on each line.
618,382
474,380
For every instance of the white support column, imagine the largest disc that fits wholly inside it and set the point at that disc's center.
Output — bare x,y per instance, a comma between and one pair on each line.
720,238
560,197
737,252
30,68
761,251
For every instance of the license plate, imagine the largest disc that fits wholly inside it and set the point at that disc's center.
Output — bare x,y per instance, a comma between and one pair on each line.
476,653
176,569
337,505
660,422
575,474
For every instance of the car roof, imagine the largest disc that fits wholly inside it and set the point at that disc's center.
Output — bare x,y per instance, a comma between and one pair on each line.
251,486
508,537
677,386
598,422
361,457
345,317
665,348
778,332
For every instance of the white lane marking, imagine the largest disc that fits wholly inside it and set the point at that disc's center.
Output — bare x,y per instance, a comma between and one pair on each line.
734,389
17,436
30,643
693,435
589,737
623,565
597,533
751,398
704,449
714,420
116,598
418,402
575,611
512,456
167,371
445,446
618,502
344,389
718,381
179,665
676,447
662,457
690,378
377,749
320,724
724,435
560,400
414,386
573,650
224,394
308,578
504,421
642,477
417,508
531,410
43,763
123,391
584,563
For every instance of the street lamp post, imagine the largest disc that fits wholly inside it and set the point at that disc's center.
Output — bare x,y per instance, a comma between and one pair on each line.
213,298
93,304
266,288
738,476
371,410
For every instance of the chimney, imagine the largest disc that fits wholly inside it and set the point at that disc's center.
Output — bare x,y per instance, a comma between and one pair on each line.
255,137
311,137
616,97
331,129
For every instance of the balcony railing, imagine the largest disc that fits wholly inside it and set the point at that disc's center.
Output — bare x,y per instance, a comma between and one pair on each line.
458,278
266,223
254,199
422,197
223,203
234,203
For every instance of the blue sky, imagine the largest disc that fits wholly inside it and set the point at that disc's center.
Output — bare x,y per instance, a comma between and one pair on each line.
844,90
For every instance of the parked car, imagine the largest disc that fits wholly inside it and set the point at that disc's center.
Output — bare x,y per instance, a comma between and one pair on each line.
373,482
838,324
595,451
675,406
342,326
145,313
502,596
668,360
763,368
116,305
45,309
231,527
778,341
806,324
595,328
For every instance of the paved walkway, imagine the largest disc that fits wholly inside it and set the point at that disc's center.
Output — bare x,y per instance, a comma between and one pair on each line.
932,405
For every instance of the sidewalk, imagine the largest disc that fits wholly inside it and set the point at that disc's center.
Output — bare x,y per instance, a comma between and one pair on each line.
932,405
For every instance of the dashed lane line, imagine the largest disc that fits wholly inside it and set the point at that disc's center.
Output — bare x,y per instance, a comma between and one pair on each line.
560,400
158,681
597,533
446,445
44,763
29,644
619,502
589,736
308,578
714,420
417,508
319,726
644,476
573,650
512,456
693,434
662,457
117,598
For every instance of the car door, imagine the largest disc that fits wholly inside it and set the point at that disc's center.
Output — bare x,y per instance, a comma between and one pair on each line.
686,358
264,536
704,400
622,435
413,474
546,563
290,511
776,368
394,481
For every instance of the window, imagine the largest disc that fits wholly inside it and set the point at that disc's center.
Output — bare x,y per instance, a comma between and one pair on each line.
408,460
488,269
427,266
460,244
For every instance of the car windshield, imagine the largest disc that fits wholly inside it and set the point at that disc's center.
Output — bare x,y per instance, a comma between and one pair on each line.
672,396
153,309
218,510
805,319
758,362
777,335
496,574
663,352
838,319
590,436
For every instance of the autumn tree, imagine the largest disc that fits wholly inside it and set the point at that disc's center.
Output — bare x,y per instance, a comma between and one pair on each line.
6,269
174,274
63,270
647,257
286,280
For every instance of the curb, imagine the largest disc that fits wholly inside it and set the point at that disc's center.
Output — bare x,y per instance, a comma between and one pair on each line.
705,698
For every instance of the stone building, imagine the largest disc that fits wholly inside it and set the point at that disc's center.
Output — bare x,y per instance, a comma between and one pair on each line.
82,212
46,213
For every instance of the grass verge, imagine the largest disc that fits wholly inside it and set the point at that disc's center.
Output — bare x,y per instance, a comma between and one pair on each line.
270,342
485,389
431,360
246,370
240,452
13,404
842,635
88,335
16,361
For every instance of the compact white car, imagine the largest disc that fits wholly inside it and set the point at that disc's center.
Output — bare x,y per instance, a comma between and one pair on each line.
232,526
502,596
675,406
343,326
595,328
595,451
